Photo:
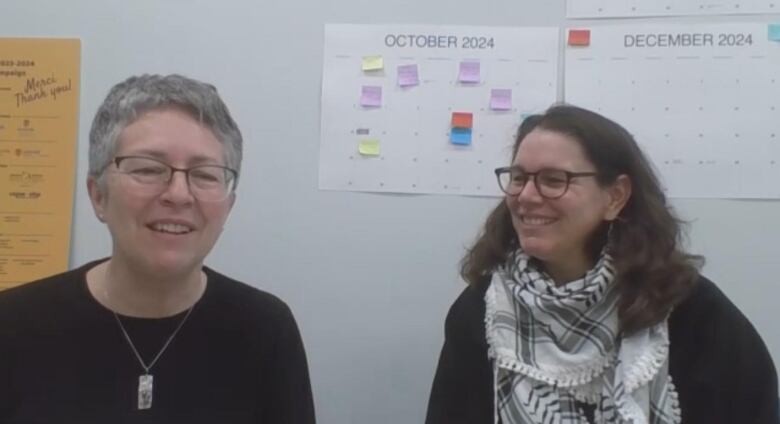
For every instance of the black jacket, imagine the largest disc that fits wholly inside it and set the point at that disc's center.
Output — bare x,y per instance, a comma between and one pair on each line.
719,364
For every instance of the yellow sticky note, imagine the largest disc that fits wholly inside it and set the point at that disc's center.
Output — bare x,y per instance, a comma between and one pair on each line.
369,147
373,63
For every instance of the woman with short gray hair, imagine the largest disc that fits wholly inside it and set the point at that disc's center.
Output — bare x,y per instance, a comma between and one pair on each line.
150,334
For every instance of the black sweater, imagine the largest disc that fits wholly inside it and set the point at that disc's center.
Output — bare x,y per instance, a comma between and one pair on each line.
63,359
720,366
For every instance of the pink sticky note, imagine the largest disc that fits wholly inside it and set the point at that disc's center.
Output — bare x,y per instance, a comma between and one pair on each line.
469,71
501,99
579,37
408,76
371,96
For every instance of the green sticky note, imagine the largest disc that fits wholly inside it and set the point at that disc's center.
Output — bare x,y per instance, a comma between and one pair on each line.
369,147
774,32
373,63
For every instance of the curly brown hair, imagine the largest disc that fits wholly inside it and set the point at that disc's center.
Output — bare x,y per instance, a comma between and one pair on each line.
653,272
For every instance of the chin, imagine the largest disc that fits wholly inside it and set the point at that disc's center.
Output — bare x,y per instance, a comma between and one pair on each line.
535,248
170,263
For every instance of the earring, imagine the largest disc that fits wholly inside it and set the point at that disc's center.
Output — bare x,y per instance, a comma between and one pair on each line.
613,230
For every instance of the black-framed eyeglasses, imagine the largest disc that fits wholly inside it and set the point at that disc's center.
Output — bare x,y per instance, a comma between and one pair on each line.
207,182
549,183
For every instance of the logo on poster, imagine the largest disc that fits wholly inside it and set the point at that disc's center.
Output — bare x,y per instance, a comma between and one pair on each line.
25,179
26,127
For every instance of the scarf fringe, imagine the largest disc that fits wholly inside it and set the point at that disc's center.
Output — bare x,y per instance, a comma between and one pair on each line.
632,413
560,377
674,401
589,393
647,365
568,378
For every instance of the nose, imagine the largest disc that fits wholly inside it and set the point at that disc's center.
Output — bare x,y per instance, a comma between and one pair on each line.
529,192
178,189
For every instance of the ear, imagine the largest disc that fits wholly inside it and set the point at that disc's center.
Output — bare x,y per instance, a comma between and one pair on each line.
97,196
617,194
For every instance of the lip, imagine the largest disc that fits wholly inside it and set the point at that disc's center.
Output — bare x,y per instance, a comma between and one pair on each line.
532,220
172,221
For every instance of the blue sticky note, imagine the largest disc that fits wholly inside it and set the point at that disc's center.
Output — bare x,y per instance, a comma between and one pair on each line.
461,136
774,32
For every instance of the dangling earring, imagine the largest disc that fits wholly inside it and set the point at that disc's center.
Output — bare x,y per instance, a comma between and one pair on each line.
611,232
608,237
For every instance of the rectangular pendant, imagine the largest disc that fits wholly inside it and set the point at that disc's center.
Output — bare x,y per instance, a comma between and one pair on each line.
145,391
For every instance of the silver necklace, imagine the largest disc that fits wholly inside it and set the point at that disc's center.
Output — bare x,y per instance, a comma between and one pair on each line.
145,380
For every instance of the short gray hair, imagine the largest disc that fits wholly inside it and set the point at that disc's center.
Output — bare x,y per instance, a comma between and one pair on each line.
131,98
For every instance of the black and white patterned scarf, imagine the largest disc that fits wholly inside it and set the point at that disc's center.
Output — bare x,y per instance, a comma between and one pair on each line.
556,347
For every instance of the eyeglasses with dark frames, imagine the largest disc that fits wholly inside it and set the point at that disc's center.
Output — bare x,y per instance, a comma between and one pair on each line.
549,183
207,182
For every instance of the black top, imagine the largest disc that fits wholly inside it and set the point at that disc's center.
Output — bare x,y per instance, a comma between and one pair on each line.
63,359
720,367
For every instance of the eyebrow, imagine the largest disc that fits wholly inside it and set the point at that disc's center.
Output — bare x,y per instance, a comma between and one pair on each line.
547,168
521,169
195,160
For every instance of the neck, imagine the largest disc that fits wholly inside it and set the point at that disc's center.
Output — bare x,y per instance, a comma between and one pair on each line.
124,290
569,270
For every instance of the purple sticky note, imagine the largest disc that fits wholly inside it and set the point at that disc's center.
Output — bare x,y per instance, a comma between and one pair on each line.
371,96
469,71
408,76
501,99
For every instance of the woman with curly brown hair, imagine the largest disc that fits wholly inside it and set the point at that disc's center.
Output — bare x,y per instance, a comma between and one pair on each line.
582,305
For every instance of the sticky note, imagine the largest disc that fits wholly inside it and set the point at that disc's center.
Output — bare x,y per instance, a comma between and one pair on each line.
460,136
408,76
501,99
579,37
462,119
774,32
369,147
469,71
373,63
371,96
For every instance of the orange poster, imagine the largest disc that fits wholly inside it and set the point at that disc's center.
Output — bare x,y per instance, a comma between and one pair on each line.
39,98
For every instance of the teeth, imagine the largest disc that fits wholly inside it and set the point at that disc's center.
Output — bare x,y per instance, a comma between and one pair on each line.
537,221
172,228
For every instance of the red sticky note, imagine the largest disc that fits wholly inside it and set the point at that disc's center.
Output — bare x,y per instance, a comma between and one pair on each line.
579,37
462,119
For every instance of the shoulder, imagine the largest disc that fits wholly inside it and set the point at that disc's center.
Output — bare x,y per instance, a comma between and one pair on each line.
233,296
720,365
49,294
40,290
466,317
709,335
707,307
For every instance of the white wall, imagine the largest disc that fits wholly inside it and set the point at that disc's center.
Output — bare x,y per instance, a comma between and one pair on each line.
369,277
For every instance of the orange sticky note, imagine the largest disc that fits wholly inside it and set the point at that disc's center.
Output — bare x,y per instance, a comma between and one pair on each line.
462,119
579,37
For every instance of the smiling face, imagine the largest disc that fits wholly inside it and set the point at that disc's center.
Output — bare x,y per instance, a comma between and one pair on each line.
169,233
557,231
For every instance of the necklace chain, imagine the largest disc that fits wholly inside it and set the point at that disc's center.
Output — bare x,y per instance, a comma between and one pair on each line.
146,380
165,346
